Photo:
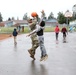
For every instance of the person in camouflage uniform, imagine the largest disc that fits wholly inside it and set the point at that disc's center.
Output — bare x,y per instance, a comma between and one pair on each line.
40,32
35,43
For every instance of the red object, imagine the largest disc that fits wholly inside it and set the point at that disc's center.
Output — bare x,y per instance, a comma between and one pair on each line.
64,29
57,29
33,14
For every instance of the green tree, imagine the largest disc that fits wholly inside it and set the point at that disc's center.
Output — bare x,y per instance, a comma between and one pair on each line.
9,19
13,18
25,16
74,12
17,18
51,16
73,17
61,18
1,19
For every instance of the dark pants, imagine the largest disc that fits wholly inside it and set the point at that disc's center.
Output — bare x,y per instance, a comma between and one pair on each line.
57,36
64,36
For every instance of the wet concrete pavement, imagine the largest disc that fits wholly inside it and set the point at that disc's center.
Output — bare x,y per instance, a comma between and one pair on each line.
15,60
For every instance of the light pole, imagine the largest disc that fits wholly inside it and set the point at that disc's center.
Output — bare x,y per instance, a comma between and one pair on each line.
67,15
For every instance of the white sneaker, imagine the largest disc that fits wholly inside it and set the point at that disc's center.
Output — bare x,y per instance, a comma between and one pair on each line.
42,58
45,57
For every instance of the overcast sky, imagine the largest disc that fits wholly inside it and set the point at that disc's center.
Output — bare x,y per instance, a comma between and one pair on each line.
17,8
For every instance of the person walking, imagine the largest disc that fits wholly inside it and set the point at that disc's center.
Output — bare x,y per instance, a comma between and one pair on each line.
64,31
57,29
15,33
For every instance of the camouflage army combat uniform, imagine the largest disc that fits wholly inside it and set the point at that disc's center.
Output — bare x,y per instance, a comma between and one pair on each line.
34,39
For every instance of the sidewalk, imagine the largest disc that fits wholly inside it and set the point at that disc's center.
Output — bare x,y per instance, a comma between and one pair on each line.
15,60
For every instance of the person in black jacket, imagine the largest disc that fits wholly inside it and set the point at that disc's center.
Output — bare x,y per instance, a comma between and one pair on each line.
15,33
40,32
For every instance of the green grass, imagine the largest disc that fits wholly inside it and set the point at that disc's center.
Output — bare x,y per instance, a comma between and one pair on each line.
49,29
26,29
6,29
